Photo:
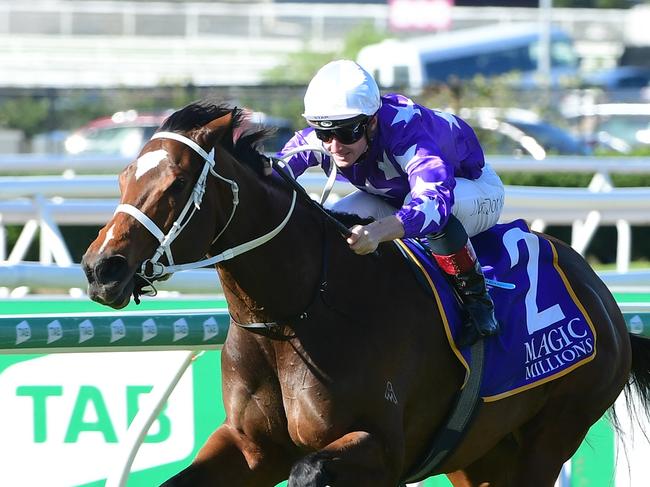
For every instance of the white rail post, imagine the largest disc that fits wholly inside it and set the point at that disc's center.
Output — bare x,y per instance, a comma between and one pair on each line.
623,245
145,417
3,240
52,244
24,240
583,231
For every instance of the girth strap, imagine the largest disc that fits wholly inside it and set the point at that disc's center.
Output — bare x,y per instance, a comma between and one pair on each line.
464,411
467,404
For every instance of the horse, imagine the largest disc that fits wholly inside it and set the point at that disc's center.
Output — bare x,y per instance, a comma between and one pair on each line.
318,333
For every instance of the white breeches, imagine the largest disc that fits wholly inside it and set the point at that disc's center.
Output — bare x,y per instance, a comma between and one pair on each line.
477,202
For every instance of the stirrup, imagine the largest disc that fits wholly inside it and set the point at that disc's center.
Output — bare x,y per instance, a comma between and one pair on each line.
471,331
470,334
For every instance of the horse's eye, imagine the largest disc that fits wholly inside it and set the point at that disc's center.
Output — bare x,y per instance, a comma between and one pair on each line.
178,185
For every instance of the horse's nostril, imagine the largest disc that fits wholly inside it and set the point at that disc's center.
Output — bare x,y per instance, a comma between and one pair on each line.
88,271
111,269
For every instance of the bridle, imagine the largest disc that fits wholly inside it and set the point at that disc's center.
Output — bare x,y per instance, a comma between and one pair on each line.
151,269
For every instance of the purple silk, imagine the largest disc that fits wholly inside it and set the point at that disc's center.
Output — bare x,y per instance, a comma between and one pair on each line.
412,162
546,331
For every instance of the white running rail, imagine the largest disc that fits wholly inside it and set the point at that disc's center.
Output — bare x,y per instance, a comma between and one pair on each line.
44,203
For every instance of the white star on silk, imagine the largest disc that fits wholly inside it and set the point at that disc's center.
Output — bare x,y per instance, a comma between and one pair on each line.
371,189
451,120
421,185
405,158
406,113
429,207
387,168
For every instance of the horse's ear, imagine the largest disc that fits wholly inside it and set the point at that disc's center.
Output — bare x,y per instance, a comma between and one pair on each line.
217,129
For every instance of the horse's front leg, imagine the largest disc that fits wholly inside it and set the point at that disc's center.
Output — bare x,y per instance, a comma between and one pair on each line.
229,458
357,459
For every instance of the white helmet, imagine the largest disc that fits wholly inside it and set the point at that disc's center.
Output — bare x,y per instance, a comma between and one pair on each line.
340,90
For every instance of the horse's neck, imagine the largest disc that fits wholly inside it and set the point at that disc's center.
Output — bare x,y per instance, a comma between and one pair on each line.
280,277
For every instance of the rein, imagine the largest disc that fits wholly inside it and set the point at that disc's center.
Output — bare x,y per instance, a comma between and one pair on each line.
279,166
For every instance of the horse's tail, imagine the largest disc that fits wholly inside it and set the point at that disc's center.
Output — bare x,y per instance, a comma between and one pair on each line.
637,393
639,383
640,374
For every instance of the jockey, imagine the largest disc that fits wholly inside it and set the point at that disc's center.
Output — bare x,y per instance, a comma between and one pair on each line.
418,172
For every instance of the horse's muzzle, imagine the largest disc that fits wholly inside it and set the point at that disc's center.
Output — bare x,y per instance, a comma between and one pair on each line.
110,281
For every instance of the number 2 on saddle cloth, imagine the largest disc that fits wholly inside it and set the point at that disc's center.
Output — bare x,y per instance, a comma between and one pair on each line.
546,332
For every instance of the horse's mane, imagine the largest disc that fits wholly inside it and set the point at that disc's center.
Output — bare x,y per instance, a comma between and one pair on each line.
243,145
199,113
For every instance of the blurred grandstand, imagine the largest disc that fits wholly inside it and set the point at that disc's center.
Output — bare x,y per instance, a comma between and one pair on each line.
128,43
103,55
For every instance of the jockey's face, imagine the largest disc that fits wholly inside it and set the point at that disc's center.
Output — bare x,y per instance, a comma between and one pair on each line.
345,155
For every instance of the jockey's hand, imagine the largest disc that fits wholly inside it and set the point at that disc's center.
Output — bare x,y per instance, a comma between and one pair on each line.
363,240
366,238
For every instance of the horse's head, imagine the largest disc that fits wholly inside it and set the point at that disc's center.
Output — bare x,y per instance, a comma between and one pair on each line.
165,213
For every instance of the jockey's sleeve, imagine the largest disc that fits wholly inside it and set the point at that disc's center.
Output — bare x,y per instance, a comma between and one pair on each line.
432,184
302,160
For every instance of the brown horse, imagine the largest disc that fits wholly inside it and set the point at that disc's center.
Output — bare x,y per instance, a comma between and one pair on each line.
305,394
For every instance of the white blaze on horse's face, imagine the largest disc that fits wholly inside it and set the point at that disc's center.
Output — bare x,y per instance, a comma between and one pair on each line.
148,161
109,237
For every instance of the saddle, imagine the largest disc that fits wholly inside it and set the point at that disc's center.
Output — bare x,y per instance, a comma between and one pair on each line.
546,332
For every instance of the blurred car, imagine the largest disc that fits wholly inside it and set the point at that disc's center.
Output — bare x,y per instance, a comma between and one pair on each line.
121,134
621,127
521,132
124,133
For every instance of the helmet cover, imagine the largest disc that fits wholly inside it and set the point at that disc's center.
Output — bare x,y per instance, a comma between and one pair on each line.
339,91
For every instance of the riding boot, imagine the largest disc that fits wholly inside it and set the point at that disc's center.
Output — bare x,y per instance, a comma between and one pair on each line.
466,276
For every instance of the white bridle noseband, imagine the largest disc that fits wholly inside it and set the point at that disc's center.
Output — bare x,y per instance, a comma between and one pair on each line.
157,269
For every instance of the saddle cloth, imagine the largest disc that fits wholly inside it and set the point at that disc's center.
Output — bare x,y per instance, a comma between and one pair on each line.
545,331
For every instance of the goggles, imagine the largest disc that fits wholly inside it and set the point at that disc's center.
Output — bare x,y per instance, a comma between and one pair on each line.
345,134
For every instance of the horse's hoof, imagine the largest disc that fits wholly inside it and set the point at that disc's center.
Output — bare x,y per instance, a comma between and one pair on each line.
309,472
